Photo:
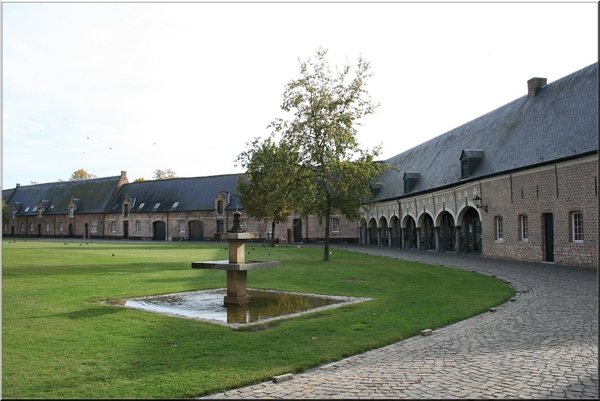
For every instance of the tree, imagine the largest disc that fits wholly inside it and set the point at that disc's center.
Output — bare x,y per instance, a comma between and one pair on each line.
166,174
326,109
5,212
141,179
266,189
81,174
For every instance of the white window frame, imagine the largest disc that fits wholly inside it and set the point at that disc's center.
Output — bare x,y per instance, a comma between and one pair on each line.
22,226
335,225
577,227
30,226
5,226
499,228
182,226
138,226
61,226
524,223
113,226
94,226
71,212
47,227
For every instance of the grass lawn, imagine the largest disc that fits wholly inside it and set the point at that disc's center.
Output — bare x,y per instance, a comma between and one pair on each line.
58,341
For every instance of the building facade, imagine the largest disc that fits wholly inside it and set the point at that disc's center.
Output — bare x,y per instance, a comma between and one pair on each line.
178,209
520,182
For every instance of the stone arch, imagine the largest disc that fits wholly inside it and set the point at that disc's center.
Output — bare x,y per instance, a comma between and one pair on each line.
409,232
469,229
382,231
395,231
446,224
426,232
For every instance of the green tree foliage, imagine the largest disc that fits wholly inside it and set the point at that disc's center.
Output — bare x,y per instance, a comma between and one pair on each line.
266,189
81,174
326,111
166,174
5,212
141,179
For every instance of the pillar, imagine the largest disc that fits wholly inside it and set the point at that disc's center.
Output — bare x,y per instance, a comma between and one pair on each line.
236,287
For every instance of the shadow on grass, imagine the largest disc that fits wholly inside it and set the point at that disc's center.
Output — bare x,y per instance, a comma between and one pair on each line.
84,313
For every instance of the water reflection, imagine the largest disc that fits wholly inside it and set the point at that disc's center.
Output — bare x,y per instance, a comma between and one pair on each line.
208,304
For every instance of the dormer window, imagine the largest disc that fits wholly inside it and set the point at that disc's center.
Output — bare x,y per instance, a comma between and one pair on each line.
156,206
221,201
41,207
375,188
469,159
127,205
16,207
26,209
73,205
410,178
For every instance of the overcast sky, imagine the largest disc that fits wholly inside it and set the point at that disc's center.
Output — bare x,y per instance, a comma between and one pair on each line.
143,86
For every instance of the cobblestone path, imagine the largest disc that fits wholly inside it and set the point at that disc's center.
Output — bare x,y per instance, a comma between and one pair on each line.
542,345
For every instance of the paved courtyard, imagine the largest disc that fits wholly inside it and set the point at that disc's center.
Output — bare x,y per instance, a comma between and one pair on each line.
544,344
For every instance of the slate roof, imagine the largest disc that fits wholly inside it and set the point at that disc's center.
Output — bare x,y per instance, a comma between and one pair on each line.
93,195
6,194
196,193
560,122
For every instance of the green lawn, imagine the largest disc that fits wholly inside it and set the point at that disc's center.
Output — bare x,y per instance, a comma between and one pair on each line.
58,341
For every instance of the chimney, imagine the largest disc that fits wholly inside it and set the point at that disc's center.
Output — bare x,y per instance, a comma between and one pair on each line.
18,185
534,85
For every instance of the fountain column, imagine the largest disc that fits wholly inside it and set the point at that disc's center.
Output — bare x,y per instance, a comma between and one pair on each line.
237,268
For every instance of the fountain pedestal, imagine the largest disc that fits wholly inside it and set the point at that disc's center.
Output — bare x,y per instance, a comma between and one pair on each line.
236,267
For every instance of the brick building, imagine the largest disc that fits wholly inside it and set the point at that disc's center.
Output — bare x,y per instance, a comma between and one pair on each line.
179,209
520,182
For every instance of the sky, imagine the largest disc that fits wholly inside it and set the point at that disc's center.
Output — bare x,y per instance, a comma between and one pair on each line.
136,87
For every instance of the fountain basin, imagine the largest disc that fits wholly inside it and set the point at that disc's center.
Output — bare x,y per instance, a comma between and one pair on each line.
207,305
227,265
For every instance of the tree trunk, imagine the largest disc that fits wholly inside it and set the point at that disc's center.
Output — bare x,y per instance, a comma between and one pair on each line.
327,222
273,233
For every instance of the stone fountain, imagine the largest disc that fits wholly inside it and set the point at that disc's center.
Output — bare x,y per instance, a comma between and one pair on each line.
237,266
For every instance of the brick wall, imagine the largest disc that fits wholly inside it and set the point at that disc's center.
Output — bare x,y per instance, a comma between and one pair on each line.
559,189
